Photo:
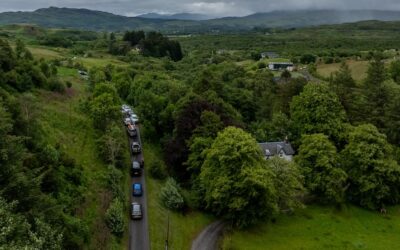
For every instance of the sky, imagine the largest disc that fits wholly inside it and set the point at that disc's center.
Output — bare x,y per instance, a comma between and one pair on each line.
209,7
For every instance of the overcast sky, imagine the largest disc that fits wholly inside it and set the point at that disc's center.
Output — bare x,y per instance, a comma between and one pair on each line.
210,7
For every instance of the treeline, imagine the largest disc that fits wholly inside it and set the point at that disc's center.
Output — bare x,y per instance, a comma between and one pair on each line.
149,44
40,185
18,70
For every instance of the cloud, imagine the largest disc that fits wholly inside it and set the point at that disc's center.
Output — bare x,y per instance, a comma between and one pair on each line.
210,7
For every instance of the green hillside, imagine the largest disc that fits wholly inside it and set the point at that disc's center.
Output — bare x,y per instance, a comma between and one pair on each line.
97,20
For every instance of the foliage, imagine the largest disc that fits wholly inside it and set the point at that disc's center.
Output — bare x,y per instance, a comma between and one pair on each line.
288,183
318,162
115,217
111,146
237,185
171,196
157,170
373,174
317,110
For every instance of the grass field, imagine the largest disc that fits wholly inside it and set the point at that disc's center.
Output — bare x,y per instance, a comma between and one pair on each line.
322,228
183,227
358,69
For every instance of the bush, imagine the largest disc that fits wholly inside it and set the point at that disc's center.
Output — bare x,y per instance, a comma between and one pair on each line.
115,218
69,84
261,65
171,196
114,180
56,85
158,170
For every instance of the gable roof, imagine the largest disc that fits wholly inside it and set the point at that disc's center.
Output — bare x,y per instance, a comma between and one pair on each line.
274,148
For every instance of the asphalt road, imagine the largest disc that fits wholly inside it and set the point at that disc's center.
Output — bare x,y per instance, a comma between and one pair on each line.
139,229
209,237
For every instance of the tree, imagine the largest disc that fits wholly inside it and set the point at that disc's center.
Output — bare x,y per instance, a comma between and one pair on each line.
395,71
21,51
375,92
344,86
111,146
104,110
317,110
115,218
171,196
288,183
307,59
318,161
373,174
237,185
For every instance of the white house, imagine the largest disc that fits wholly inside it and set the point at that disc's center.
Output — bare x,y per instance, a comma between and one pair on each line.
277,149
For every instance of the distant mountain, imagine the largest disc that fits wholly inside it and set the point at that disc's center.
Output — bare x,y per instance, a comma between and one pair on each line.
98,20
178,16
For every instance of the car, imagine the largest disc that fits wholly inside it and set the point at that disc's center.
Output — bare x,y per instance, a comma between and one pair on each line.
136,169
136,211
137,189
134,118
125,109
127,121
132,131
136,148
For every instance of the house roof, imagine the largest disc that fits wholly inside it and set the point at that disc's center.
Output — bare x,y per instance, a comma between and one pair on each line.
274,148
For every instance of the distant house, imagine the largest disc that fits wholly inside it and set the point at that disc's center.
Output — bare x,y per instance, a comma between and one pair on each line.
281,149
281,66
269,54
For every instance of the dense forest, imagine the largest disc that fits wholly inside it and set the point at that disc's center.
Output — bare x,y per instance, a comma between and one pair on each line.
206,109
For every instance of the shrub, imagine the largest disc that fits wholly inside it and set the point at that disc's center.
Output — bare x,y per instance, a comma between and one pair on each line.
69,84
261,65
56,85
114,180
157,170
115,218
171,196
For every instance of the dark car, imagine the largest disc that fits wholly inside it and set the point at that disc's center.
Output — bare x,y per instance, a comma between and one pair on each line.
136,211
136,170
136,149
137,189
132,131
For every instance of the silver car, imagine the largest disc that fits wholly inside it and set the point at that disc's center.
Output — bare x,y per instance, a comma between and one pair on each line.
136,211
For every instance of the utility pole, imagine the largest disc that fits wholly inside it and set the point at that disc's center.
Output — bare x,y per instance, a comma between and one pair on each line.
166,241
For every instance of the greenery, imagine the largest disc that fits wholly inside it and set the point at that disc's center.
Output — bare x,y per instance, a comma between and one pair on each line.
171,195
115,217
64,161
326,227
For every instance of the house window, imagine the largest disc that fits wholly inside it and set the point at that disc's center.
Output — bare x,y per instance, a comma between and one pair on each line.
281,155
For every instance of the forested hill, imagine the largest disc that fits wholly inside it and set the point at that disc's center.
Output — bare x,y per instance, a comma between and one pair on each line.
97,20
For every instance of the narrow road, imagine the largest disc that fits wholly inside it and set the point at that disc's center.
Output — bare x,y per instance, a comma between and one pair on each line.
209,237
139,229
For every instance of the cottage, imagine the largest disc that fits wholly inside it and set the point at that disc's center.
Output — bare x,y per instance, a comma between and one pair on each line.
281,66
281,149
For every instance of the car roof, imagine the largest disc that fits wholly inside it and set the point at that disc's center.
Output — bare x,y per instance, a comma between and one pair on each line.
135,164
137,185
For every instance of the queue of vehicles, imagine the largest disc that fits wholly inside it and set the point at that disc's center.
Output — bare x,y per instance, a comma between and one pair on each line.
131,120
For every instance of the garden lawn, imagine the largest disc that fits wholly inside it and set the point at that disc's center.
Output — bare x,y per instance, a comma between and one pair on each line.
322,228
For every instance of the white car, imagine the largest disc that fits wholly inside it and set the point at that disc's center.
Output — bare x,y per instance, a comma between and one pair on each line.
127,121
134,118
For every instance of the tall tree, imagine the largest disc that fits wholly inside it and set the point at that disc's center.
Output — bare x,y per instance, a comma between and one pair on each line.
237,185
317,110
375,91
344,86
318,162
373,174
